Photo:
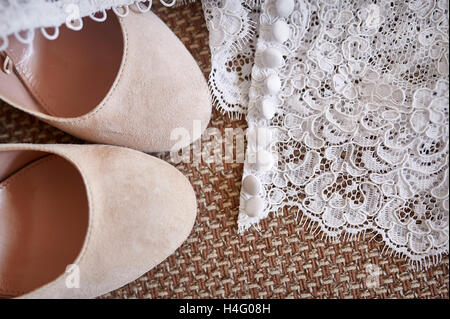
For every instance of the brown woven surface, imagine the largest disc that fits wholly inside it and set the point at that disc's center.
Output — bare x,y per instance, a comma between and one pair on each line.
283,261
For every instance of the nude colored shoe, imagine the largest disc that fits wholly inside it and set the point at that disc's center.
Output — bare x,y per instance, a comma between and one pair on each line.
92,216
126,81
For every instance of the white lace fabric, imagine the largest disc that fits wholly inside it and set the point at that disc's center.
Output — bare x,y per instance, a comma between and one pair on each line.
360,134
232,27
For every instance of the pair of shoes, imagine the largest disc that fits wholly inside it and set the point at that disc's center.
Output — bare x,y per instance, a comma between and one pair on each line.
77,221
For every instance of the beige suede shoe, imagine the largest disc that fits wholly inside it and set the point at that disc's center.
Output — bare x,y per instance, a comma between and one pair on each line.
126,81
77,221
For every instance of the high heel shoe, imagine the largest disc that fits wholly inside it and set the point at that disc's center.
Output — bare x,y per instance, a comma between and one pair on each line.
77,221
128,81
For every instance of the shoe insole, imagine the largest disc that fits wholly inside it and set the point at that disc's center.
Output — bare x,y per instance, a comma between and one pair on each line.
66,77
43,224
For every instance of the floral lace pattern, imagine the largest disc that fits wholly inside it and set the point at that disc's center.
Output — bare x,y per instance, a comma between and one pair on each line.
232,26
360,133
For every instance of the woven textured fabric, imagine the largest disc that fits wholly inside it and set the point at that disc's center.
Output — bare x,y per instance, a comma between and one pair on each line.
284,260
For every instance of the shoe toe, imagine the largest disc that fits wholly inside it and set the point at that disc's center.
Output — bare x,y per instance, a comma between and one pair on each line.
160,100
143,210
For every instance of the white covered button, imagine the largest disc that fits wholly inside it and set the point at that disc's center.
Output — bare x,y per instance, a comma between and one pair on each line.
254,206
264,160
251,185
273,84
280,31
272,58
268,108
284,7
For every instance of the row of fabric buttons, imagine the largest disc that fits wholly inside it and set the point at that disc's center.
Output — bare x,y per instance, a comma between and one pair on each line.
271,59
